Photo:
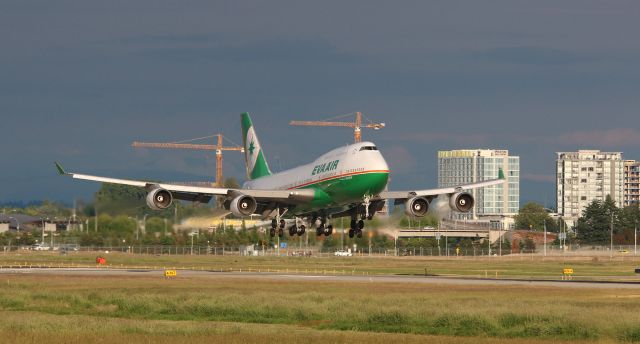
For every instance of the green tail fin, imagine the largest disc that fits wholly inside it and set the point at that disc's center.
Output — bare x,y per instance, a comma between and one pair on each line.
253,155
500,174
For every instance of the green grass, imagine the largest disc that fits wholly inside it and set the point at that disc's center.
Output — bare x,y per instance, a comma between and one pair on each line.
193,308
586,268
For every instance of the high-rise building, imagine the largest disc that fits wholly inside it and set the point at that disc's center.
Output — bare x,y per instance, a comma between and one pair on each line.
631,182
585,176
456,167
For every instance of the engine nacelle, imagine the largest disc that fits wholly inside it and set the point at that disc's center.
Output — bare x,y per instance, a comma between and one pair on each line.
461,201
416,206
159,199
243,206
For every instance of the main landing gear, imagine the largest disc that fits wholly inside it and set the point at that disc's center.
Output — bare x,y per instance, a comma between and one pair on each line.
279,227
297,229
355,229
322,228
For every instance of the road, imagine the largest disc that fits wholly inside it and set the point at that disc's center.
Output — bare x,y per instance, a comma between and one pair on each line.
338,278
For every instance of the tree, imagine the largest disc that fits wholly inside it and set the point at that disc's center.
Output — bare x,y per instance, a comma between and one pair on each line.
529,245
595,223
120,199
231,183
533,215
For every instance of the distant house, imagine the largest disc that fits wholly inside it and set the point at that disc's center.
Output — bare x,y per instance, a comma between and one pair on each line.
28,223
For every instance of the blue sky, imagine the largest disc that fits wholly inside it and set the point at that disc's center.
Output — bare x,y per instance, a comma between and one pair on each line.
79,81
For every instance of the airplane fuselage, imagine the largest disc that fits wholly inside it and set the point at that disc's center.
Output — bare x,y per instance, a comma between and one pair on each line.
340,177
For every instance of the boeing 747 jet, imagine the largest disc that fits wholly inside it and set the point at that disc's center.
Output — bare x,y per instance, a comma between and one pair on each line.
347,181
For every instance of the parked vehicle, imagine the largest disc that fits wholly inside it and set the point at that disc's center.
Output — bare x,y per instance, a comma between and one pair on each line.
343,253
69,247
40,247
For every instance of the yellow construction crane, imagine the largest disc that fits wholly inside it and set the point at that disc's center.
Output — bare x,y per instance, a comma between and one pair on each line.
180,145
357,125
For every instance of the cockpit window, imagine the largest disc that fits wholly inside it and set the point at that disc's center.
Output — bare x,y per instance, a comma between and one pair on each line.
372,148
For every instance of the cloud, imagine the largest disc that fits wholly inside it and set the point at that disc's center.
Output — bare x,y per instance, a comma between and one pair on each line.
400,160
259,51
536,177
618,137
529,56
477,139
610,138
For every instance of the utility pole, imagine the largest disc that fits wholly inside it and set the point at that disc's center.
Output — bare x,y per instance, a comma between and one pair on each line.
500,240
175,215
611,234
42,232
635,239
544,223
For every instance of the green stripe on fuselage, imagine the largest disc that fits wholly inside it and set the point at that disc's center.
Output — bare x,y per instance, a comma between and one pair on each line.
344,190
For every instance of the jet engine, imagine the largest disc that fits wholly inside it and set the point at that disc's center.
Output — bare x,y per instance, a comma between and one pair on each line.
461,201
243,205
159,199
416,206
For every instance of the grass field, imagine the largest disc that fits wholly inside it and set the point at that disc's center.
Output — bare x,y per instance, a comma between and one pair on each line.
90,309
538,267
147,309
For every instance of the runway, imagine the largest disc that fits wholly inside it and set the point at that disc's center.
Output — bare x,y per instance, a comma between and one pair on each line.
434,280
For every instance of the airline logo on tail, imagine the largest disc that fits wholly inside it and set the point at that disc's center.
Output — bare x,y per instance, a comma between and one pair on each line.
254,158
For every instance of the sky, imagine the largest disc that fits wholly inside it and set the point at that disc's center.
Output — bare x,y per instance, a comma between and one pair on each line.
81,80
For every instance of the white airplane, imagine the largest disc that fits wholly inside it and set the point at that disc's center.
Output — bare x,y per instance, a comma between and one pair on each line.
347,181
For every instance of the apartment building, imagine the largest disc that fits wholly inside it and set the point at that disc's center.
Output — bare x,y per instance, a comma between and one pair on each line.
585,176
631,182
456,167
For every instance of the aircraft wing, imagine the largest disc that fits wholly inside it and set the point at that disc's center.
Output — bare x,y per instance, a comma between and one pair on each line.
439,191
402,195
202,193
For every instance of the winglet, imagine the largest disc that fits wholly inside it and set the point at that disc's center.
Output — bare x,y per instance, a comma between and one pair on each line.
61,170
500,174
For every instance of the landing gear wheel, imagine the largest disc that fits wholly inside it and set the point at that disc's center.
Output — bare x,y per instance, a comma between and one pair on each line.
280,232
329,230
359,233
301,230
282,224
320,230
354,223
351,233
272,232
293,230
360,225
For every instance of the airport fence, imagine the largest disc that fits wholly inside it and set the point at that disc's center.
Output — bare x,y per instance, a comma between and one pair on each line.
306,251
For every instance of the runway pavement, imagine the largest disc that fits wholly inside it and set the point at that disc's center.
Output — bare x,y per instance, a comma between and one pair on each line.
311,277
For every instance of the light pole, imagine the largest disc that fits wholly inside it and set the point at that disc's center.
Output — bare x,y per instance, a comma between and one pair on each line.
611,235
635,239
137,229
191,235
500,240
544,224
395,243
43,227
144,222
